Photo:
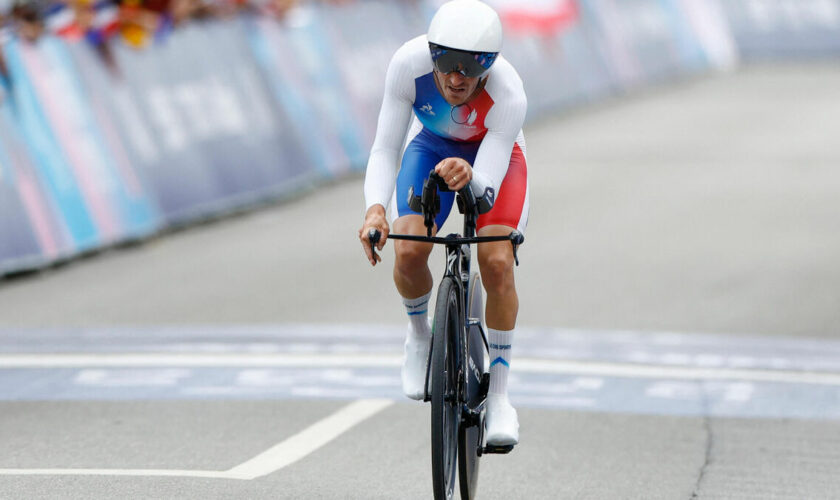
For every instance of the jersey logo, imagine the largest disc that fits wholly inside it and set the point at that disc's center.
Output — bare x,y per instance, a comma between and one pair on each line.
427,108
464,114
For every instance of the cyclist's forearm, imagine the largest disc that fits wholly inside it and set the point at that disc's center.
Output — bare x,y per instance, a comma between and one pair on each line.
380,178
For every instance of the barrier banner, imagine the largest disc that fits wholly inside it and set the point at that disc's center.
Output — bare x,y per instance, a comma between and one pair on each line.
67,112
19,247
363,55
233,120
784,28
263,39
32,232
135,208
641,42
175,172
270,137
74,191
214,140
709,25
563,67
296,56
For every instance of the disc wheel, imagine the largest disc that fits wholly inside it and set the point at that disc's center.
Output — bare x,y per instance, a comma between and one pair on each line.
469,437
445,406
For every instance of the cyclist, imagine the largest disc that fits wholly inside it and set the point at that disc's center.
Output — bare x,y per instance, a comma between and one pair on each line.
468,106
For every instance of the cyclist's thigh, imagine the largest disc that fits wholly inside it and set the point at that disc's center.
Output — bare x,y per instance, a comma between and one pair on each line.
420,158
511,206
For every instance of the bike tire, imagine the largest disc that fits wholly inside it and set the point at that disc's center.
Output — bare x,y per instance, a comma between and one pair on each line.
446,412
469,437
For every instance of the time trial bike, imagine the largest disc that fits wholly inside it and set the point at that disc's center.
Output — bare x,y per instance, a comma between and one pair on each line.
457,376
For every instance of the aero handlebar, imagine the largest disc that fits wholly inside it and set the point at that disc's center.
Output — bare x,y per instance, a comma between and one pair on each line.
515,238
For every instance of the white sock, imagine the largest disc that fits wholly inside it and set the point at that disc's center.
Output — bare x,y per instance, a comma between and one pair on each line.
418,314
500,342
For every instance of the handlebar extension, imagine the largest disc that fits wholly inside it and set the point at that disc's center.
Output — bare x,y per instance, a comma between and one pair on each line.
428,202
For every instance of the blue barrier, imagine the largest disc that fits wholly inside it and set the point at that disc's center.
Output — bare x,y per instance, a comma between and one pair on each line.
32,231
54,172
19,240
225,114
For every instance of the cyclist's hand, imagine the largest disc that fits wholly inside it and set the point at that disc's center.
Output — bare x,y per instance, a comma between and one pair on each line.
374,219
455,171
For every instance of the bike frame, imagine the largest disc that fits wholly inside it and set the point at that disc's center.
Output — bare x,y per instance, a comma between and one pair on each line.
458,261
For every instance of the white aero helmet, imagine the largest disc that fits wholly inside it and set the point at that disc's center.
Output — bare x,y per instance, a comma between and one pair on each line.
465,36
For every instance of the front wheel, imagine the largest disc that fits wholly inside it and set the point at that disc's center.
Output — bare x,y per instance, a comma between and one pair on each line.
445,405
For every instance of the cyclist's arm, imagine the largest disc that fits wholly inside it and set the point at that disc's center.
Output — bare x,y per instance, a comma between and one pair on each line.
394,118
504,123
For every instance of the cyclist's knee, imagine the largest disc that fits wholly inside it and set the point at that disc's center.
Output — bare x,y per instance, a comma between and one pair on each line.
497,270
411,256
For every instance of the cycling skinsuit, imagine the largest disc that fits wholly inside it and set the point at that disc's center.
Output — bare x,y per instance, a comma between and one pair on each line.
486,132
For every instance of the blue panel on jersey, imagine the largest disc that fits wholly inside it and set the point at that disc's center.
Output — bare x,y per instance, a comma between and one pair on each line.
430,107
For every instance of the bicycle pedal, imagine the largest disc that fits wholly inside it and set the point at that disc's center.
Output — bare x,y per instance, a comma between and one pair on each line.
492,449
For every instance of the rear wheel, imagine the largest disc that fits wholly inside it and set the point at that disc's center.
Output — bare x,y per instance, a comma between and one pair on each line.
469,436
445,405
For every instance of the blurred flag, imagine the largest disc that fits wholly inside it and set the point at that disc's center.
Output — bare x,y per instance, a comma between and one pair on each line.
60,20
543,17
106,21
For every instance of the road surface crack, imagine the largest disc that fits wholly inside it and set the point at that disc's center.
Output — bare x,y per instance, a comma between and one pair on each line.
707,426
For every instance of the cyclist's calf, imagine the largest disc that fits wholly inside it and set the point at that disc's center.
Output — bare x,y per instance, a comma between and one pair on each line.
495,260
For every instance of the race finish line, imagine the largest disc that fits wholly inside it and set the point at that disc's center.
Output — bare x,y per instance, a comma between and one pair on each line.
629,372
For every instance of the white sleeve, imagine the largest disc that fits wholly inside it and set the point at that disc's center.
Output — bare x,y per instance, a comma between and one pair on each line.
504,123
394,117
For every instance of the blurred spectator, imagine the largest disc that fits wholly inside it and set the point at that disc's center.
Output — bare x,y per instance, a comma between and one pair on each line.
144,21
279,8
137,23
4,33
27,19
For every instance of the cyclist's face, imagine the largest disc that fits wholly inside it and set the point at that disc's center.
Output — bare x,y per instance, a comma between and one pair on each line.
456,88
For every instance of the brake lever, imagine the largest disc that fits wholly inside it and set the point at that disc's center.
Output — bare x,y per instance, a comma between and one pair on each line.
516,239
373,237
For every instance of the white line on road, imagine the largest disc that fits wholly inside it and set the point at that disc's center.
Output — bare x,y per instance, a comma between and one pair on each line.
526,365
310,439
275,458
210,474
632,370
196,360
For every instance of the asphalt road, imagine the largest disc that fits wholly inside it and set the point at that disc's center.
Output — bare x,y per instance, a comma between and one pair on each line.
679,289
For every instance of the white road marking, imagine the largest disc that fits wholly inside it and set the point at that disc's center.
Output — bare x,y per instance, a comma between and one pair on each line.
275,458
527,365
197,360
120,472
310,439
630,370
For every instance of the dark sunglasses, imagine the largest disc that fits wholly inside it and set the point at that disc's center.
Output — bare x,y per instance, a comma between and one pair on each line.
469,64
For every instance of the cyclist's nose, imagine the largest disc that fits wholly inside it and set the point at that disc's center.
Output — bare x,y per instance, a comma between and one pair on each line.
456,79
